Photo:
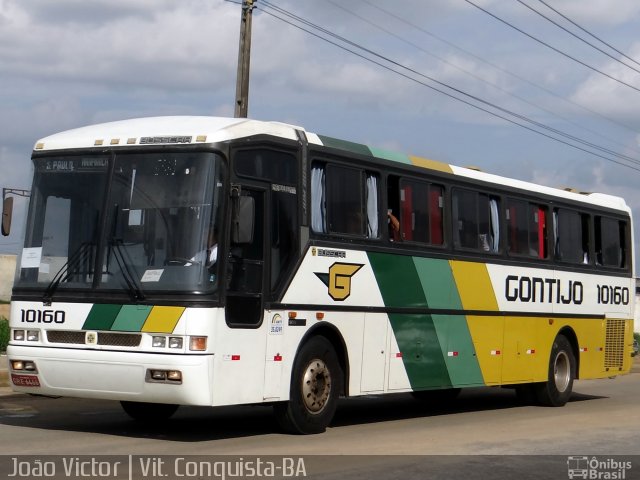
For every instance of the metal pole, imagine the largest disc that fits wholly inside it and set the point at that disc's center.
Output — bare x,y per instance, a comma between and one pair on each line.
244,57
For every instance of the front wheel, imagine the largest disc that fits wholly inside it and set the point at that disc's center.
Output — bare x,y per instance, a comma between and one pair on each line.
555,392
148,412
316,383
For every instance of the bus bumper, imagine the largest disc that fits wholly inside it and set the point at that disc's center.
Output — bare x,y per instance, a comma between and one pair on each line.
112,375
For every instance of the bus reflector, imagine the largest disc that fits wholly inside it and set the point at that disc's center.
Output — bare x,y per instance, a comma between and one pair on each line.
293,314
277,358
495,352
197,344
531,351
399,355
452,354
319,315
235,357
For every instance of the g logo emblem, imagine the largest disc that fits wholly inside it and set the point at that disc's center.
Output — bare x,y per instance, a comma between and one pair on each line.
338,280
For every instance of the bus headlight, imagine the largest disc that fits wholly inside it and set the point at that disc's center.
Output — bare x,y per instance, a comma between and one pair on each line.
175,342
159,342
18,335
33,335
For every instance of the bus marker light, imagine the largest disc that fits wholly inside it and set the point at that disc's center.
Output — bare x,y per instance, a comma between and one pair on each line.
159,342
198,344
18,335
131,141
277,358
319,315
399,355
293,314
115,141
175,342
235,357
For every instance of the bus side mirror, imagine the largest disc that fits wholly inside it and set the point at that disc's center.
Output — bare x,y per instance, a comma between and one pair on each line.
7,213
244,219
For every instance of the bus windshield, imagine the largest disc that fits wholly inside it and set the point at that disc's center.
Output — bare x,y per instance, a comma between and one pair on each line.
147,222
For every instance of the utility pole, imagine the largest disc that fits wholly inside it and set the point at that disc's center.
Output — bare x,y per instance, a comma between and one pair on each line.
244,57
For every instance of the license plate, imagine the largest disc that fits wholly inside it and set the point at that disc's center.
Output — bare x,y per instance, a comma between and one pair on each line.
25,380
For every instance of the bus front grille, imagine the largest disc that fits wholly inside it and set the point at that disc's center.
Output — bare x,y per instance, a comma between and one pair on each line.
104,338
614,343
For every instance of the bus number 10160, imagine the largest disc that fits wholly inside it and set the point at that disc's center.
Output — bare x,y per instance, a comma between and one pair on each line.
42,316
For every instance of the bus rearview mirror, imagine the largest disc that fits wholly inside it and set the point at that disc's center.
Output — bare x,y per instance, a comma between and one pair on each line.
7,213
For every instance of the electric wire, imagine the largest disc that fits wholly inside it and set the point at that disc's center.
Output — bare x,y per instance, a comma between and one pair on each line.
497,67
477,77
542,42
486,110
588,32
576,36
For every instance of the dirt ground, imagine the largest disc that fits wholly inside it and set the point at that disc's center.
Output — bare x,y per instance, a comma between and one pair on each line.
4,310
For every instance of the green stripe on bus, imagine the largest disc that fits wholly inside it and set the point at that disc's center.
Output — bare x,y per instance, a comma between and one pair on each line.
389,155
131,318
398,280
101,317
352,147
458,350
421,350
416,335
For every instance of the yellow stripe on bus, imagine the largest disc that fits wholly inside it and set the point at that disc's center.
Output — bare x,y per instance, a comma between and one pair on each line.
430,164
163,319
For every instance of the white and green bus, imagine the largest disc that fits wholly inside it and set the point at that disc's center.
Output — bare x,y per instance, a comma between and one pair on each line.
213,261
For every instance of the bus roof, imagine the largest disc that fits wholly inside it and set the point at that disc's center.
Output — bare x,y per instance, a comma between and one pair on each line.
203,130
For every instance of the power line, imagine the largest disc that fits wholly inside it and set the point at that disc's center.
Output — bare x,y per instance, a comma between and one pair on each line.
551,46
588,32
497,67
477,99
576,36
477,77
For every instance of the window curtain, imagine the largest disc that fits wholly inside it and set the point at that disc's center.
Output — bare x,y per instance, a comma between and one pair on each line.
372,207
318,206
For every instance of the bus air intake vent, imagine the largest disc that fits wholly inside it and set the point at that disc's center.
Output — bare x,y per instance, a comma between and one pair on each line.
104,338
61,336
119,339
614,343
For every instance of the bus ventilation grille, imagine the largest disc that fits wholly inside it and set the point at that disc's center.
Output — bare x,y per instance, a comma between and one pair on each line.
104,338
614,343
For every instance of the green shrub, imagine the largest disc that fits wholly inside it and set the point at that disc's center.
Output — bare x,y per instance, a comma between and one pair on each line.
4,334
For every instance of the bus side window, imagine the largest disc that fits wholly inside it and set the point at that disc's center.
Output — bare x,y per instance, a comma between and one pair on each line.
476,223
571,236
526,228
610,237
344,200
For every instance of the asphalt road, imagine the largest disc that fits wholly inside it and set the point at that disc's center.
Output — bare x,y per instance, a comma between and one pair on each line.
483,434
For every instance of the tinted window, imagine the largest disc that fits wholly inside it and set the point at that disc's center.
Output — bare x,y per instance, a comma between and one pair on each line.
421,212
271,165
475,221
571,233
610,242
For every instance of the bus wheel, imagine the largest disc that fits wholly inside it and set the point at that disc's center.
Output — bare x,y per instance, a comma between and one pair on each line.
148,412
555,392
316,384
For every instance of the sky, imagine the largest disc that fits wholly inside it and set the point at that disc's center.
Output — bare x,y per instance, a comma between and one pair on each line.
70,63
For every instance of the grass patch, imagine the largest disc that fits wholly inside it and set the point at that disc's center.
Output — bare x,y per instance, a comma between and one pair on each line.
4,334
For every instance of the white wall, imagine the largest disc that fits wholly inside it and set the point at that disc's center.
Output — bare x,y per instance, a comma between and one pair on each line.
7,273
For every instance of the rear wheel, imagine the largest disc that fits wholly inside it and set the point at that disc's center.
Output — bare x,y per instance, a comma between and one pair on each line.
556,391
148,412
316,383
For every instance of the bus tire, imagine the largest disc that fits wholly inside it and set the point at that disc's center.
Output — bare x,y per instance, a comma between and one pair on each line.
316,383
148,412
556,391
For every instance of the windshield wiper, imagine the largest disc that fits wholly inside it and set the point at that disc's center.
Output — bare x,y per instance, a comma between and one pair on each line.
66,271
123,260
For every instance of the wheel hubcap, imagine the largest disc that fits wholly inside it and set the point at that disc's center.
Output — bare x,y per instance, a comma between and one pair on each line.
316,386
562,371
